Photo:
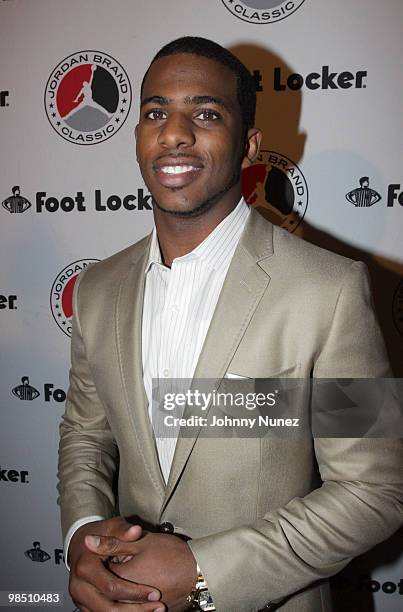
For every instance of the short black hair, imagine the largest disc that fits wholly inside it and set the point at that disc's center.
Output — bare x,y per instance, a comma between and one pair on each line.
246,88
364,179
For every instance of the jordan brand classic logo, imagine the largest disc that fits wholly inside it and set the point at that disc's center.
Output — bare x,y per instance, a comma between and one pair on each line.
61,295
276,186
262,11
88,97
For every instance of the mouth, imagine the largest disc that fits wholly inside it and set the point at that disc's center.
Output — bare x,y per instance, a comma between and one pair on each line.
176,174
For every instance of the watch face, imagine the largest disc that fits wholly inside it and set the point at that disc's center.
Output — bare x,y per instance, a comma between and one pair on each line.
205,600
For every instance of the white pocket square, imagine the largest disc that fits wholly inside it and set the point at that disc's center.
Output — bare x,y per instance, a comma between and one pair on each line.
238,376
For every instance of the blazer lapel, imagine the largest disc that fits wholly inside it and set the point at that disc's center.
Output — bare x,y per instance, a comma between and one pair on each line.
129,309
245,284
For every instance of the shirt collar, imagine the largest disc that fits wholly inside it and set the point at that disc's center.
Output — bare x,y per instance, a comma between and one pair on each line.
217,248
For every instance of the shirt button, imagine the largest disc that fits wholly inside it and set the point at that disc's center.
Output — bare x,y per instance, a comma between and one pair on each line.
166,373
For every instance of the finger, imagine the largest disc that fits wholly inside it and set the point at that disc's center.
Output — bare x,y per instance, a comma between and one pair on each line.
96,602
91,574
121,559
108,546
123,530
132,533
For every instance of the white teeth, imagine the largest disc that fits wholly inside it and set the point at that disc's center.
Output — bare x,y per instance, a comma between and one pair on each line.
176,169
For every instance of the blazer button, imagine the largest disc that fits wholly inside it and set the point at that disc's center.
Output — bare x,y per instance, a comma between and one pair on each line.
166,528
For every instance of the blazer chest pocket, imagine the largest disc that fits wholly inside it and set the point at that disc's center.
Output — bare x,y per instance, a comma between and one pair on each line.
245,371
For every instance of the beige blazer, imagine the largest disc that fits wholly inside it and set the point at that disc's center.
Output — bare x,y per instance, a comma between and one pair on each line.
263,529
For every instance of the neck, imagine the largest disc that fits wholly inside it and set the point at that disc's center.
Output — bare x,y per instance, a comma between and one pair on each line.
178,236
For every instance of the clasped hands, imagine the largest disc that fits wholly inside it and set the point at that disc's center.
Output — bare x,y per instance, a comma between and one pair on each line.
115,566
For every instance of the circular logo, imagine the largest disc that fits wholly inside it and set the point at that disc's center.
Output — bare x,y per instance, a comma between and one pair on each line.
88,97
276,186
61,295
262,11
398,308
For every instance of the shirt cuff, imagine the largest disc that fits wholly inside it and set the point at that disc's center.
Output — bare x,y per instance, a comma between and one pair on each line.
73,529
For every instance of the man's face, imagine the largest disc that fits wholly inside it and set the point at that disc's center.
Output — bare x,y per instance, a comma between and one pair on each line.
189,136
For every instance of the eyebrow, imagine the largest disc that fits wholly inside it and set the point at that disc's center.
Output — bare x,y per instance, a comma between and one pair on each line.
156,99
162,101
205,100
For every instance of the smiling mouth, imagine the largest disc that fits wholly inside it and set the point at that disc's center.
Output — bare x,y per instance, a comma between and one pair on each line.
177,169
176,176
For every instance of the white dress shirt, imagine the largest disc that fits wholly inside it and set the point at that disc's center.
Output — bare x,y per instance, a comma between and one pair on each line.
179,303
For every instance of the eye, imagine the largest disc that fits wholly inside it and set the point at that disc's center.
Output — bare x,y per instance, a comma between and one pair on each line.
208,115
155,115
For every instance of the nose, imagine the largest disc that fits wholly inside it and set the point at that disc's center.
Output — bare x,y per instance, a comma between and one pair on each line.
176,132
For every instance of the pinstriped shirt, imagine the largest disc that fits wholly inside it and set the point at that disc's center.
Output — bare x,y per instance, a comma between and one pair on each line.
179,303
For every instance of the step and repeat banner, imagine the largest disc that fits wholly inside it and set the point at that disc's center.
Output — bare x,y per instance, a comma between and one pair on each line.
329,104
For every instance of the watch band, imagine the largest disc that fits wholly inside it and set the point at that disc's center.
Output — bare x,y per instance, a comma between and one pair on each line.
200,598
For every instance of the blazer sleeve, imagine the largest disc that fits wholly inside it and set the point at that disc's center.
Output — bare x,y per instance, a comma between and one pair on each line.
359,504
88,453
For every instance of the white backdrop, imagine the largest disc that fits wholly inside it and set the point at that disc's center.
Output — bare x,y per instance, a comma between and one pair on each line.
329,102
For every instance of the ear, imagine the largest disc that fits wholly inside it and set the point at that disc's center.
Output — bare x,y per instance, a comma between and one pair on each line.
252,147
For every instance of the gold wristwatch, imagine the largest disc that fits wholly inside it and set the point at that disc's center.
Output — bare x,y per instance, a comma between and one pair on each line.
200,598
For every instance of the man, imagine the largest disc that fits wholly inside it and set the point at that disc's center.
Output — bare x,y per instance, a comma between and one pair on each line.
36,553
16,203
215,292
363,195
25,391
